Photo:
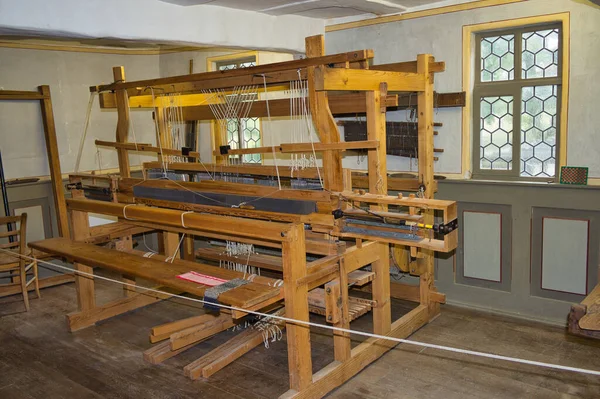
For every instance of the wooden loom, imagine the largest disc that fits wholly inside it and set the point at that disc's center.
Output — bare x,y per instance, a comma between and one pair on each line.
343,233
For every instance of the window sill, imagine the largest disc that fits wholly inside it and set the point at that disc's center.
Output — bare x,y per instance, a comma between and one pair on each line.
517,183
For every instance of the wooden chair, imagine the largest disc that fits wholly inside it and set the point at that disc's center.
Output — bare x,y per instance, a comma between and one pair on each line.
18,267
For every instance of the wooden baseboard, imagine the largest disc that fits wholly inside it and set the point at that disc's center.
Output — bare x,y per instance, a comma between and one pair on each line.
80,320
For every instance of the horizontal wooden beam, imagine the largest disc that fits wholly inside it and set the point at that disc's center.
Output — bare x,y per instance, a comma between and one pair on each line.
440,100
313,218
17,95
200,332
409,66
394,183
231,350
236,227
226,83
107,232
258,70
296,148
145,100
44,282
366,80
326,269
247,169
109,101
209,186
143,147
161,352
164,331
339,104
341,146
422,203
87,318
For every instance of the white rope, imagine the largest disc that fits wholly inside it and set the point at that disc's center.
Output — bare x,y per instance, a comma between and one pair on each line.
85,129
182,214
272,139
170,259
156,126
310,128
124,208
327,327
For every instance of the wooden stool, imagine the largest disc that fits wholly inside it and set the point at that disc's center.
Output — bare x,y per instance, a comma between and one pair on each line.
18,267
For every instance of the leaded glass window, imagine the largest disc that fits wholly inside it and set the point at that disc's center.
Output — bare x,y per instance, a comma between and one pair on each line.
516,102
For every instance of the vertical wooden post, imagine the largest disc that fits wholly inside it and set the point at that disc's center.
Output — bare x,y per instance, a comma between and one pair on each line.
171,243
122,122
84,285
425,148
296,307
188,248
325,124
382,313
217,142
376,131
341,341
126,244
54,162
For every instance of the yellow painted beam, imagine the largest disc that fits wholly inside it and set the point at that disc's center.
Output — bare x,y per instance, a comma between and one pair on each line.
108,101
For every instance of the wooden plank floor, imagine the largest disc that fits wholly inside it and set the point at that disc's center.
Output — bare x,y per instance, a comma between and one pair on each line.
40,359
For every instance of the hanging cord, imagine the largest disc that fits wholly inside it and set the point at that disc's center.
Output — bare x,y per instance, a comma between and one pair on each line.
272,139
99,156
85,130
182,215
150,250
158,138
310,128
171,258
54,267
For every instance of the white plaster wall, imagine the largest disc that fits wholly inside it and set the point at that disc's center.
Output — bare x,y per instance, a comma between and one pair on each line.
441,36
157,22
69,76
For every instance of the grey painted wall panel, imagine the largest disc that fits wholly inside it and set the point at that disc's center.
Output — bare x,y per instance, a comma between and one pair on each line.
565,255
528,203
482,245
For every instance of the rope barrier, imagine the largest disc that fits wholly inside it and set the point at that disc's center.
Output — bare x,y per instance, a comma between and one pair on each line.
324,326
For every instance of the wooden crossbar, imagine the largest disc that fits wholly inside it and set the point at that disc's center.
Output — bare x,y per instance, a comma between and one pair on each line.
237,227
352,56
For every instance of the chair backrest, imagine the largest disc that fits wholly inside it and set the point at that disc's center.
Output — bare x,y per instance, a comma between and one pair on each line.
14,239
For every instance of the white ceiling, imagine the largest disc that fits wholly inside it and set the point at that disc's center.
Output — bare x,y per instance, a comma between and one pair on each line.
320,8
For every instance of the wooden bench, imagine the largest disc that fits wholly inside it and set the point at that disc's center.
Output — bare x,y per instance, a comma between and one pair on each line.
164,274
584,317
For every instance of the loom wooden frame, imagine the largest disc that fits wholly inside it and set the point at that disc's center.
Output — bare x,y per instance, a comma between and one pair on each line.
341,72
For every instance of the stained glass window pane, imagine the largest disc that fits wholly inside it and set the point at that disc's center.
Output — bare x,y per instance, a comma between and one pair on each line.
497,58
538,131
540,54
495,133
